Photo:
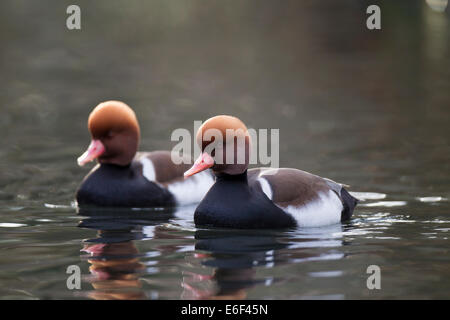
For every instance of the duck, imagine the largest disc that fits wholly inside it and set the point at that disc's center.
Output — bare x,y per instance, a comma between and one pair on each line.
124,177
260,198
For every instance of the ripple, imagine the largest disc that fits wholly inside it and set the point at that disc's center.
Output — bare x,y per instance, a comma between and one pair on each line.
60,206
385,204
363,196
436,221
375,216
387,238
399,220
16,208
329,256
361,232
316,244
326,274
430,199
11,225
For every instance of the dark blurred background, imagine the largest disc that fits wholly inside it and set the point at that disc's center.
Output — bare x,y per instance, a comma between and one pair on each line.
368,108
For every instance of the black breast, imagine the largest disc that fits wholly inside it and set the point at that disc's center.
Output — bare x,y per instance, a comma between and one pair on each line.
232,203
121,186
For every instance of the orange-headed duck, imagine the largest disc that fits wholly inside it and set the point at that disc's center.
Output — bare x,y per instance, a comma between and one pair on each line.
261,197
127,178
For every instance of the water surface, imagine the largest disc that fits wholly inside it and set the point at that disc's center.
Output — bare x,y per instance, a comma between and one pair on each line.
369,109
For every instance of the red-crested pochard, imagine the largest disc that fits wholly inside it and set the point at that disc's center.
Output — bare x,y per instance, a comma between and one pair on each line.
262,197
127,178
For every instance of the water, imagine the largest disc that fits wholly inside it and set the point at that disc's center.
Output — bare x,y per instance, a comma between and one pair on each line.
369,109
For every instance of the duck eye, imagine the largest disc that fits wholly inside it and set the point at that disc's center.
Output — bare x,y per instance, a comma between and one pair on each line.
109,135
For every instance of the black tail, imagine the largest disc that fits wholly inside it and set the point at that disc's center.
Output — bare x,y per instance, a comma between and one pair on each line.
349,203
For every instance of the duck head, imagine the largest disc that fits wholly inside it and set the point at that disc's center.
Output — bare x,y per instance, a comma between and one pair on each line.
115,134
225,145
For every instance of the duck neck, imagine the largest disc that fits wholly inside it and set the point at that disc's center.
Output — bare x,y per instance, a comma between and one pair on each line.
242,177
115,166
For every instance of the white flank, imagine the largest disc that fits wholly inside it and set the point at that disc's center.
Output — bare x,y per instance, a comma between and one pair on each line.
265,186
192,189
148,170
325,210
148,231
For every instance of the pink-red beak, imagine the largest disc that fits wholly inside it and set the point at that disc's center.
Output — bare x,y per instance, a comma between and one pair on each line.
203,162
95,150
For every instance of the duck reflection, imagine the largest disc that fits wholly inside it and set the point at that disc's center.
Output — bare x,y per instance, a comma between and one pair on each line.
115,277
114,259
236,255
215,263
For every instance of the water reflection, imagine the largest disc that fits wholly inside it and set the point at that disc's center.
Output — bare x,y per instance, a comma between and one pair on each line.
237,256
159,254
208,263
114,259
369,109
234,256
115,269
